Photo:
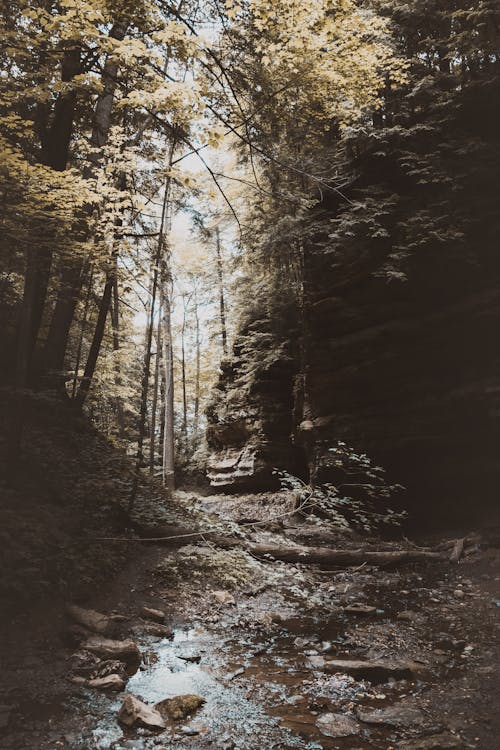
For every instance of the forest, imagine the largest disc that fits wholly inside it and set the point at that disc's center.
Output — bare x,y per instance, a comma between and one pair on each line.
250,374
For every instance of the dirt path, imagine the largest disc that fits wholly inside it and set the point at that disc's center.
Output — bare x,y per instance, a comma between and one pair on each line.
258,640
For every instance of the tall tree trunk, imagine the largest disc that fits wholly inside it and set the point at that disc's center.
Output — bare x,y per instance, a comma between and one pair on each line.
146,369
222,304
168,463
198,363
183,369
157,260
154,405
73,270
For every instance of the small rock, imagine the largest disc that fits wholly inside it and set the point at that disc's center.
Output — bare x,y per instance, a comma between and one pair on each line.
360,609
110,682
337,725
90,619
153,614
394,716
458,594
317,662
134,711
410,616
157,630
180,706
224,597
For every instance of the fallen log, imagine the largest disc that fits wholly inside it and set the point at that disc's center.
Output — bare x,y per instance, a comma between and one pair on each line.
342,558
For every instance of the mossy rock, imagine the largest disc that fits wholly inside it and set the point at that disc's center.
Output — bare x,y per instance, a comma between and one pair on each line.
180,707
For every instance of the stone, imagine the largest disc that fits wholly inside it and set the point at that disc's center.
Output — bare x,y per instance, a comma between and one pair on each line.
157,615
180,706
90,619
360,609
376,670
126,650
110,682
410,616
337,725
134,712
394,716
443,741
157,630
224,597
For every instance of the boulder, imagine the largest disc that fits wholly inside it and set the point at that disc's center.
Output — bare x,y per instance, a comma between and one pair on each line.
126,650
180,706
134,712
110,682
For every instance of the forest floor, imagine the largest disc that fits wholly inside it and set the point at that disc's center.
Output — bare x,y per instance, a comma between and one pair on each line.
258,641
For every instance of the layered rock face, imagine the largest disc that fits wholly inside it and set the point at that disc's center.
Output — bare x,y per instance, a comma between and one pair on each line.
412,378
251,414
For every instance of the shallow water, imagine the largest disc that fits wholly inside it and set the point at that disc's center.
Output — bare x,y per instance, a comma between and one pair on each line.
240,706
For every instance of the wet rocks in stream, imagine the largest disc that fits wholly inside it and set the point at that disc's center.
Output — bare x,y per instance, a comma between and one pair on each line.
126,650
134,712
179,707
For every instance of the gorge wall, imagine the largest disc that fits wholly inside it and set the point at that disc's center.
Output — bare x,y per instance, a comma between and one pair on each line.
394,346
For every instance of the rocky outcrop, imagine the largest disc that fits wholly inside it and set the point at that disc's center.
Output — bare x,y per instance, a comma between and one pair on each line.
251,414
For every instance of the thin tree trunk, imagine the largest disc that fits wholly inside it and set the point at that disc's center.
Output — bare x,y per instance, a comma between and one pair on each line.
198,367
82,333
183,369
168,464
222,304
154,405
145,380
95,346
115,321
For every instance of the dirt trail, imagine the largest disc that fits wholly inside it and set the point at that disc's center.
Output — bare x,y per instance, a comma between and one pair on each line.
259,641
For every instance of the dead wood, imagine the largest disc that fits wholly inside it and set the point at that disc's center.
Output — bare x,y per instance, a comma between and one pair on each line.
326,556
